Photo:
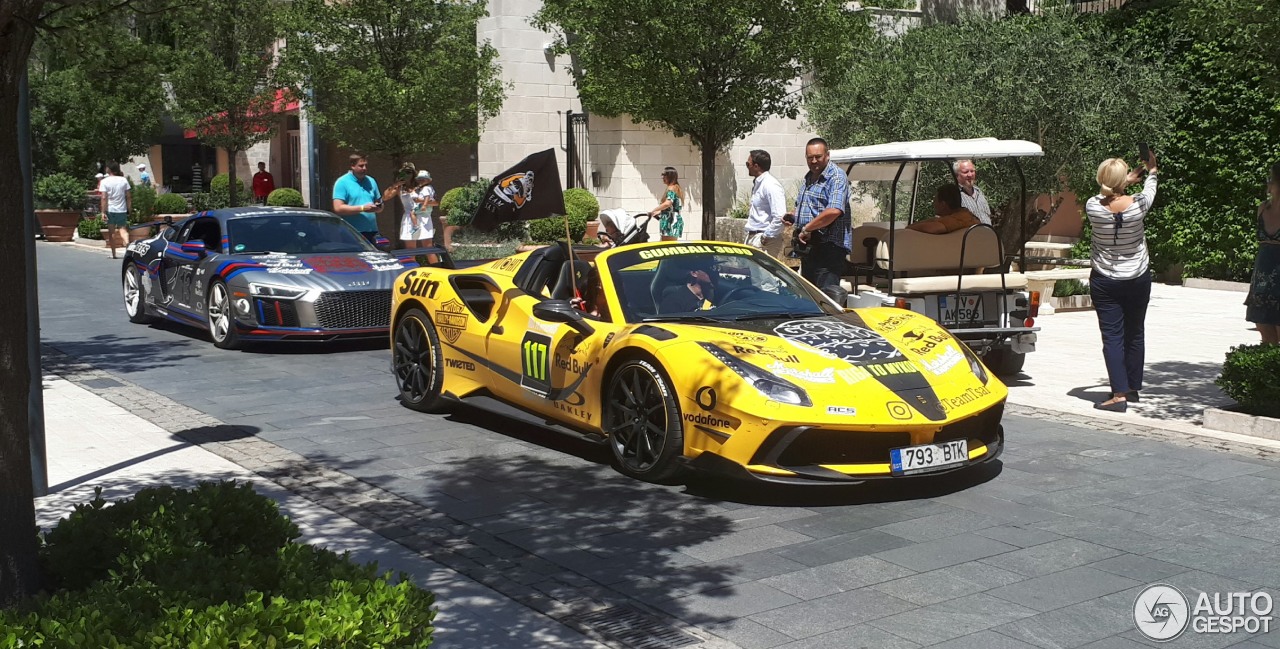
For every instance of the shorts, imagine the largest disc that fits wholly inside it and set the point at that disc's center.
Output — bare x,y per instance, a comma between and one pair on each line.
426,229
118,218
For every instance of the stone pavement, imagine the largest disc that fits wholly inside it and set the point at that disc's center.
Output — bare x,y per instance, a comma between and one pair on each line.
1046,549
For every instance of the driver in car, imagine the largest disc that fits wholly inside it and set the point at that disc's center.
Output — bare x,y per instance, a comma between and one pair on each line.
593,301
696,293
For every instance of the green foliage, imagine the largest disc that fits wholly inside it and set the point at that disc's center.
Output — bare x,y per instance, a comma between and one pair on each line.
462,205
171,204
201,201
60,191
1083,249
90,228
490,249
396,77
285,197
144,204
708,69
1251,376
581,207
579,202
1225,134
213,566
95,88
1000,78
224,79
219,194
1068,287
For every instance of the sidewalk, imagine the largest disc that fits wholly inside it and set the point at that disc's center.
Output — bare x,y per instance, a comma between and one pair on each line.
123,453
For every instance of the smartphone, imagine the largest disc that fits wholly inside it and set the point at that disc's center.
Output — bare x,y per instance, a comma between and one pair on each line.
1144,152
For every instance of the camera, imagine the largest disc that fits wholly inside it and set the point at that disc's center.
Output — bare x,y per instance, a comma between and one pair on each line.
800,249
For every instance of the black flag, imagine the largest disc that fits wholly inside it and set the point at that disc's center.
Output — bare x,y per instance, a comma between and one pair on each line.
529,190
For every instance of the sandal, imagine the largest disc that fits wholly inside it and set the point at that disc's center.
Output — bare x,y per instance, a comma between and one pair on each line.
1114,404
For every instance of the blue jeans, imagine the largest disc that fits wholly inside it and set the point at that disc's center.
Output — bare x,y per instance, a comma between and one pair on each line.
1121,305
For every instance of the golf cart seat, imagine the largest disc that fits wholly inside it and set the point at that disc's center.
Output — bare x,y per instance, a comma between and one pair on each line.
920,253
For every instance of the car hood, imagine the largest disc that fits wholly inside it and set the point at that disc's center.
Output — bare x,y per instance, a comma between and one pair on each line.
884,355
328,271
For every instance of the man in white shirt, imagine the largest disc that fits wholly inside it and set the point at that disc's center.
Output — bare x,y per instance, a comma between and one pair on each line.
971,197
768,204
116,202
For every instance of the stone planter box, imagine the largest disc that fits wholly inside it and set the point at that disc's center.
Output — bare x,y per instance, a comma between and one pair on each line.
1071,303
120,240
1230,421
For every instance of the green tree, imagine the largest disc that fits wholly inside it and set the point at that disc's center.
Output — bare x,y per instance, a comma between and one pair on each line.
94,92
706,69
396,77
225,78
1061,79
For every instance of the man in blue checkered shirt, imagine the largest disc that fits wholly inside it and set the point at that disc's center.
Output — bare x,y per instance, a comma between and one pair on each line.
822,219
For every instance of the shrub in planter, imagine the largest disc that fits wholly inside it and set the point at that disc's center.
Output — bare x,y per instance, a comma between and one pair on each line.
1069,287
1251,376
447,202
60,191
220,192
211,566
90,229
552,229
579,202
171,204
144,203
462,208
285,197
201,201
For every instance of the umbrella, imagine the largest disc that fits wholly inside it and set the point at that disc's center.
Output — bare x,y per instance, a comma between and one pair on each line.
529,190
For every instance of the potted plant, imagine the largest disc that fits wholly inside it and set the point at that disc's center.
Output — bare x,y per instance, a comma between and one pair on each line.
60,202
579,202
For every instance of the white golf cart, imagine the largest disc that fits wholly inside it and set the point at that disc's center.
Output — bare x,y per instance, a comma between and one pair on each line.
957,278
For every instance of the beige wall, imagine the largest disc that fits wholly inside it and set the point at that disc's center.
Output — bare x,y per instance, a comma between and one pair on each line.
628,157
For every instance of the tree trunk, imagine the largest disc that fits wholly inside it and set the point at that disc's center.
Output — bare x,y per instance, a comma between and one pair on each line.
708,192
231,178
19,567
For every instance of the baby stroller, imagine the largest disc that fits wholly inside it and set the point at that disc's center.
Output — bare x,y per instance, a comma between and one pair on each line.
632,228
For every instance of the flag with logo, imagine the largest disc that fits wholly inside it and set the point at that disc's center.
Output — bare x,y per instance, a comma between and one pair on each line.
529,190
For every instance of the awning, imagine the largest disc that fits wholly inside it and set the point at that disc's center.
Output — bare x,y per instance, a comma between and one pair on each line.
284,102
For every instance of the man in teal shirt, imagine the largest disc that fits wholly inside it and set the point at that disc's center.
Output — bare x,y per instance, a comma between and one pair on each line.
356,198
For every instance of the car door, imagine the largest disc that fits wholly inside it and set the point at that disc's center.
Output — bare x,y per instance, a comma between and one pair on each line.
544,366
179,264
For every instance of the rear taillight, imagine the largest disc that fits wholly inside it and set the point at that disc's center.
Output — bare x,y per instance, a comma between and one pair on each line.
1029,322
902,303
1034,311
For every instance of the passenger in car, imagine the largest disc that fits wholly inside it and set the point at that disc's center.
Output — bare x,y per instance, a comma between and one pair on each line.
593,300
951,214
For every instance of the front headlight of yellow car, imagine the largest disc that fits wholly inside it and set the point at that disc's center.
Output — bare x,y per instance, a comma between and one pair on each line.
770,386
975,365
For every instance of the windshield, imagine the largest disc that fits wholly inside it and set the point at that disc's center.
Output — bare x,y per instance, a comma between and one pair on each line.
294,234
709,283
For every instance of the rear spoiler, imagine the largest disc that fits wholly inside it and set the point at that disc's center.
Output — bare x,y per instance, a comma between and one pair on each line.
422,257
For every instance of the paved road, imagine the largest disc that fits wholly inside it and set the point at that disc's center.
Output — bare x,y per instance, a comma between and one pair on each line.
1047,549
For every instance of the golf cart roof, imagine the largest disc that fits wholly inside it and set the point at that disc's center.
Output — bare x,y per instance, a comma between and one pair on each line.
944,149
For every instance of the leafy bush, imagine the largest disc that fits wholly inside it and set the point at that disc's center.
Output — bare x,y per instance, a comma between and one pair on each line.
447,201
1251,376
285,197
579,202
1069,287
213,566
171,204
220,194
90,228
465,203
144,204
201,201
61,191
581,207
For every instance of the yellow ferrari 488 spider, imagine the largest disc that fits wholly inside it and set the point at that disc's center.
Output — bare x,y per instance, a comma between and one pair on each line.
703,355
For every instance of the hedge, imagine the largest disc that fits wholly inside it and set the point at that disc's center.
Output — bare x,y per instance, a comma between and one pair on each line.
285,197
171,204
1251,376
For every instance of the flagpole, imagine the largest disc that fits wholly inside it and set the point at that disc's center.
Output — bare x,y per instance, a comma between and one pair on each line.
568,237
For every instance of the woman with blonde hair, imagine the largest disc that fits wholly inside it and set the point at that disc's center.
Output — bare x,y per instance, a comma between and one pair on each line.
1264,291
1120,283
670,222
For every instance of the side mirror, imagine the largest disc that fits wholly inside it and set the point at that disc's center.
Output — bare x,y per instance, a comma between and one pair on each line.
195,248
561,311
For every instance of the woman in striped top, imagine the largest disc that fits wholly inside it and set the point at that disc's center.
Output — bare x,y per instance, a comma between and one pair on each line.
1120,283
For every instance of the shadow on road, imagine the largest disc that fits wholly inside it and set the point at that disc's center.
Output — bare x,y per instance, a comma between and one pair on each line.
1172,390
125,354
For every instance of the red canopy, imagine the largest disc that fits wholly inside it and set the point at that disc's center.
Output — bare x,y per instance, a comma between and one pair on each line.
284,102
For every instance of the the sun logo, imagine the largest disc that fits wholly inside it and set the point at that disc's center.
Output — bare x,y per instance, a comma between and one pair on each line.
516,189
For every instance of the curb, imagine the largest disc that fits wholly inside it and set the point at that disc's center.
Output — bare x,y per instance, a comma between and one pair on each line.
1216,284
1242,424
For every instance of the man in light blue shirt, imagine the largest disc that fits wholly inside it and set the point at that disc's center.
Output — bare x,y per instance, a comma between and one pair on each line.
768,204
822,219
356,198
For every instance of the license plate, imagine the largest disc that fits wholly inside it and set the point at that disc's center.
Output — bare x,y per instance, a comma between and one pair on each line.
967,309
927,457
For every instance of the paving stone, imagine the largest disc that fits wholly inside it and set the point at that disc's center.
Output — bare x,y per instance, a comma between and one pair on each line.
861,636
1077,624
938,526
745,542
983,640
1108,535
952,619
748,634
832,612
832,578
838,548
941,553
1063,588
1001,509
826,524
727,603
949,583
1019,536
1133,566
1115,642
1051,557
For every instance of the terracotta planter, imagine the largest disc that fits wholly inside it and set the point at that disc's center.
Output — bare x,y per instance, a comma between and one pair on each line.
449,231
120,240
593,230
58,225
138,234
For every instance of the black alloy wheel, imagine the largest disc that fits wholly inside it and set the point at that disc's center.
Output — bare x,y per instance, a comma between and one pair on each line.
416,361
642,420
